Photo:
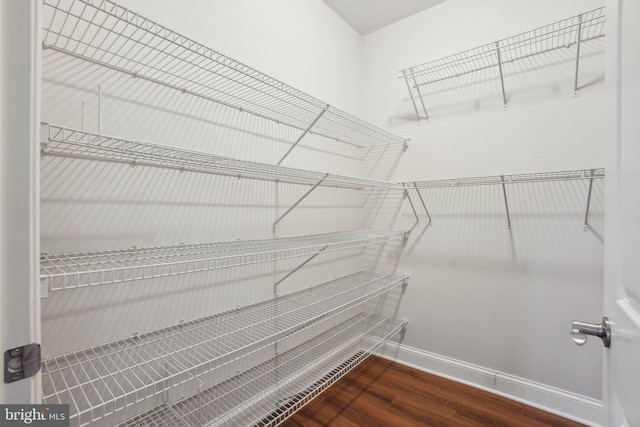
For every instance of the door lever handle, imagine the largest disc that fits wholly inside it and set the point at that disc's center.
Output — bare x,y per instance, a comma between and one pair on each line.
580,330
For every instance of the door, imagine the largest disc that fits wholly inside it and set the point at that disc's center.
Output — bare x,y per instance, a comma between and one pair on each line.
621,394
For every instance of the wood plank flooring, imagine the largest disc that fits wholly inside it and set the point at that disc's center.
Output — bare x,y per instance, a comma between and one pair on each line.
381,393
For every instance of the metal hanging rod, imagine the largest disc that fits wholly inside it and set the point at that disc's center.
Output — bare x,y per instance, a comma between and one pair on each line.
268,393
562,34
510,179
103,380
78,270
63,141
104,33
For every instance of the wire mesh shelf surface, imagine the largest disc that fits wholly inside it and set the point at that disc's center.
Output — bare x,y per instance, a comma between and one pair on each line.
77,270
72,142
510,179
270,392
102,32
562,34
102,380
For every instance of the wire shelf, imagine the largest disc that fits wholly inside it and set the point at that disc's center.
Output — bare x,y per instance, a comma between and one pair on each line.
269,393
102,32
63,141
511,179
78,270
102,380
561,34
162,416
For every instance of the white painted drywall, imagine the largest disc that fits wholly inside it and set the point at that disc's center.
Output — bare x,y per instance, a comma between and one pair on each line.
480,293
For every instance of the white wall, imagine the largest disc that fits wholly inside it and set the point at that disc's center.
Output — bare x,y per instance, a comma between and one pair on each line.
481,294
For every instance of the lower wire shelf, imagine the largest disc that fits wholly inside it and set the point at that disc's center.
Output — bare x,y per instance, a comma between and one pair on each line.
103,380
269,393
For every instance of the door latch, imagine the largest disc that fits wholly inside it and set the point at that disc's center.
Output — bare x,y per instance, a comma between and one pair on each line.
580,330
21,362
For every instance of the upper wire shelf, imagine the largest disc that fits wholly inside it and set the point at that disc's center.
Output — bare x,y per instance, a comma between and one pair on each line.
510,179
78,270
72,142
261,396
102,32
502,180
98,382
562,34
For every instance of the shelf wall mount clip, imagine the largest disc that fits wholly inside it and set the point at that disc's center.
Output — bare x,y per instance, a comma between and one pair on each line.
304,196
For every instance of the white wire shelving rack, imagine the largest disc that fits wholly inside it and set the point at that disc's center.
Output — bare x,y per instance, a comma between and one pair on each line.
260,396
510,179
79,270
566,33
504,180
100,381
104,33
62,141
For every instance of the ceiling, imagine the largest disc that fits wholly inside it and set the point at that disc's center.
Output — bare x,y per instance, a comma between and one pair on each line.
366,16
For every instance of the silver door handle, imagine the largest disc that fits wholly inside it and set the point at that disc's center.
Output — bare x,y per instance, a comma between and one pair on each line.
580,330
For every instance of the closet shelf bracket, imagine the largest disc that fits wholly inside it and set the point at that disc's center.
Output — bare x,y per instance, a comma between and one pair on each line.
413,100
506,202
304,196
307,130
289,274
578,37
413,208
586,215
504,94
424,205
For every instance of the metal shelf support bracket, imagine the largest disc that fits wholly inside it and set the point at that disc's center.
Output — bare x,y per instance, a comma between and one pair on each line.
413,101
306,131
302,264
504,95
424,205
413,208
304,196
578,37
506,202
586,215
415,82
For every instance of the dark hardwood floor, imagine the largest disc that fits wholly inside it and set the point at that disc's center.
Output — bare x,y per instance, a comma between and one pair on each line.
381,393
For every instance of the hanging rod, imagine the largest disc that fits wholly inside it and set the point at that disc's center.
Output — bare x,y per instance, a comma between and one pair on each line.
99,381
104,33
78,270
63,141
510,179
578,29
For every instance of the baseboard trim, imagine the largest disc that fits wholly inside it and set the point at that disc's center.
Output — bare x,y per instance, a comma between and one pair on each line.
556,401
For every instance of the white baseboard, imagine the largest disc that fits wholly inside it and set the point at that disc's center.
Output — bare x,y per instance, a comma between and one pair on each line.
560,402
